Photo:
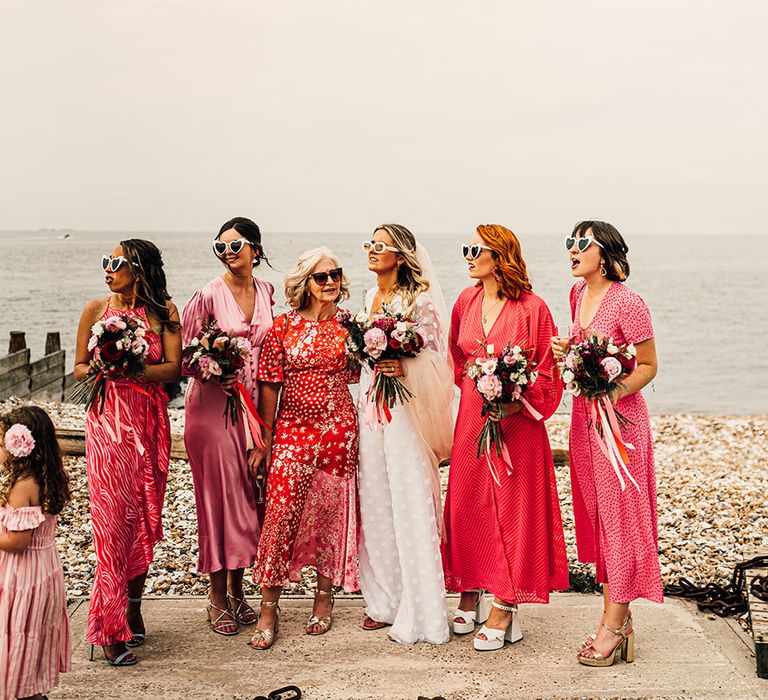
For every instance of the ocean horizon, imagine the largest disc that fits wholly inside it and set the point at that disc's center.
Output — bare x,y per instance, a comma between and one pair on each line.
706,300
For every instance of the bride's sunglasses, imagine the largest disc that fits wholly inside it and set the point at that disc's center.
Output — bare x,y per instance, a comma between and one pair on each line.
234,247
472,252
322,277
110,264
581,243
378,247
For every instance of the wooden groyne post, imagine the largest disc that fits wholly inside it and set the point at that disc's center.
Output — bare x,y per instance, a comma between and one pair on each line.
44,379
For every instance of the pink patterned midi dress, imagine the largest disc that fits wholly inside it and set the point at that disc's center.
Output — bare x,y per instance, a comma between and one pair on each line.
615,529
34,628
127,451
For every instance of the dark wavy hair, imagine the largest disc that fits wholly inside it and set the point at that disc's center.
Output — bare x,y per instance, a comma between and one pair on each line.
147,266
251,232
614,250
44,464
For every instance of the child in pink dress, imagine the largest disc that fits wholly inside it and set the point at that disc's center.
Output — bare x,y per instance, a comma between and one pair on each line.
34,629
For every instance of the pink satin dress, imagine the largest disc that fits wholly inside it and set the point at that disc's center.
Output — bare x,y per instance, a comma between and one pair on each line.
227,522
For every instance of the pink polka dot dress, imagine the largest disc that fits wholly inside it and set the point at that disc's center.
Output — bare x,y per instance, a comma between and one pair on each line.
615,529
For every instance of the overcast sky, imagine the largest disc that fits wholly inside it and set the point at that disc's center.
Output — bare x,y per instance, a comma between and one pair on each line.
335,115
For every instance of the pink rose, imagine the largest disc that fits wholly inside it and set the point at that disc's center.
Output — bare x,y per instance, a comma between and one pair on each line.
375,341
489,386
611,368
114,324
19,441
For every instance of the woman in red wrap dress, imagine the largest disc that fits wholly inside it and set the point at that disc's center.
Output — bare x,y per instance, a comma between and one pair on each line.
128,447
507,537
616,528
311,515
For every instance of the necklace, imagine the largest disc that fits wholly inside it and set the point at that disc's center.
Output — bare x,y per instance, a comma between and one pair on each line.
485,313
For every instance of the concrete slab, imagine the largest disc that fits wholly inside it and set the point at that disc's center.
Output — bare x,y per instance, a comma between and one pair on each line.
681,653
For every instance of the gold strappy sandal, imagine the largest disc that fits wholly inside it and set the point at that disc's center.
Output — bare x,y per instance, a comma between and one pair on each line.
268,636
248,615
220,625
625,648
324,623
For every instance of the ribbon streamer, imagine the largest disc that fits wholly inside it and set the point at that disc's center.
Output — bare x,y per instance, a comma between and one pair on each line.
116,433
502,449
253,433
373,411
611,443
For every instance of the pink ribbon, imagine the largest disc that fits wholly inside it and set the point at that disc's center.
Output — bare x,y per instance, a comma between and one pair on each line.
117,433
611,443
489,456
534,413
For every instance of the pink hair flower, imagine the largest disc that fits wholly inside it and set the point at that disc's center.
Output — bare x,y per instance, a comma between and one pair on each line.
19,441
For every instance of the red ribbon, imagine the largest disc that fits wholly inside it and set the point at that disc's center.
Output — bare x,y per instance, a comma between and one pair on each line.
254,420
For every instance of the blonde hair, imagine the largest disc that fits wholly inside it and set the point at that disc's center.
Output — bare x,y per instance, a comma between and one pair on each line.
409,273
297,280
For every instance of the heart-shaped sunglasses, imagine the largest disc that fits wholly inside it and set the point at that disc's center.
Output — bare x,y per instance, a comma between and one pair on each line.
581,243
234,247
110,264
472,252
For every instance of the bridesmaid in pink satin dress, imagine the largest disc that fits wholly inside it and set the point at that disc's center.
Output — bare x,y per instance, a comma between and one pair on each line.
223,471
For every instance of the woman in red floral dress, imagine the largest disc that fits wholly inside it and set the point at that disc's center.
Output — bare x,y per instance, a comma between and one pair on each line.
311,516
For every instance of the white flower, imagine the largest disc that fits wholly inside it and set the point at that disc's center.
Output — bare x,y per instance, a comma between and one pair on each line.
568,376
119,344
631,350
516,350
93,342
573,388
194,342
612,349
140,332
97,328
489,366
534,377
401,326
489,349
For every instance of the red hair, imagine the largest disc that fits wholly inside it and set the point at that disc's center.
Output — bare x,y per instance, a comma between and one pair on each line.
510,272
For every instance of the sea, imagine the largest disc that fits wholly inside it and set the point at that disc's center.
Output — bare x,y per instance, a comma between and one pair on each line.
707,295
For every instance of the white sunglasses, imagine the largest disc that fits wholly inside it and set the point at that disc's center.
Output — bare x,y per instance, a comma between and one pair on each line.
110,264
234,247
378,247
581,243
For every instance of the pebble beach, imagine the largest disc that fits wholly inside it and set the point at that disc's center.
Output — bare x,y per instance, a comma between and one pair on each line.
712,476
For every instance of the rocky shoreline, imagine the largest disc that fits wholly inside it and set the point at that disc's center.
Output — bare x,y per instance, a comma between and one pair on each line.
712,476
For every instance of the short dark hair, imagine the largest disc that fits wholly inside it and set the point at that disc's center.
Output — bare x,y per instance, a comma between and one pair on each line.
250,231
614,250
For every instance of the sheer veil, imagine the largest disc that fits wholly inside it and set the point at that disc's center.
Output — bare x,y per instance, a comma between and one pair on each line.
435,293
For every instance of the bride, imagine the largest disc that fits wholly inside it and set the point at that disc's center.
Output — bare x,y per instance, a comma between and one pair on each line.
401,573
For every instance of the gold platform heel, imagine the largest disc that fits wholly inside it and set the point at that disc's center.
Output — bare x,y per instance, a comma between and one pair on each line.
625,648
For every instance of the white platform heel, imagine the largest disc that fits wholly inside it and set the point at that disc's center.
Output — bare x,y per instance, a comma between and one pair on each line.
494,639
471,617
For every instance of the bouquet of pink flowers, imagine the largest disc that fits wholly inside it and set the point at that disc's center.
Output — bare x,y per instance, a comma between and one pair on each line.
593,368
119,345
386,336
500,379
214,354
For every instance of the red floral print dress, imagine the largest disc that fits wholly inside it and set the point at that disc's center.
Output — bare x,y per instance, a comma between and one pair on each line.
311,515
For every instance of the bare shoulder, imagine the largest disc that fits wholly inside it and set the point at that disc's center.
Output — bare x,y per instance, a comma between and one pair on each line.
25,493
95,307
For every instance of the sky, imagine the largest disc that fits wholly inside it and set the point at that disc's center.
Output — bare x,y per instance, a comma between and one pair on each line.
336,115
